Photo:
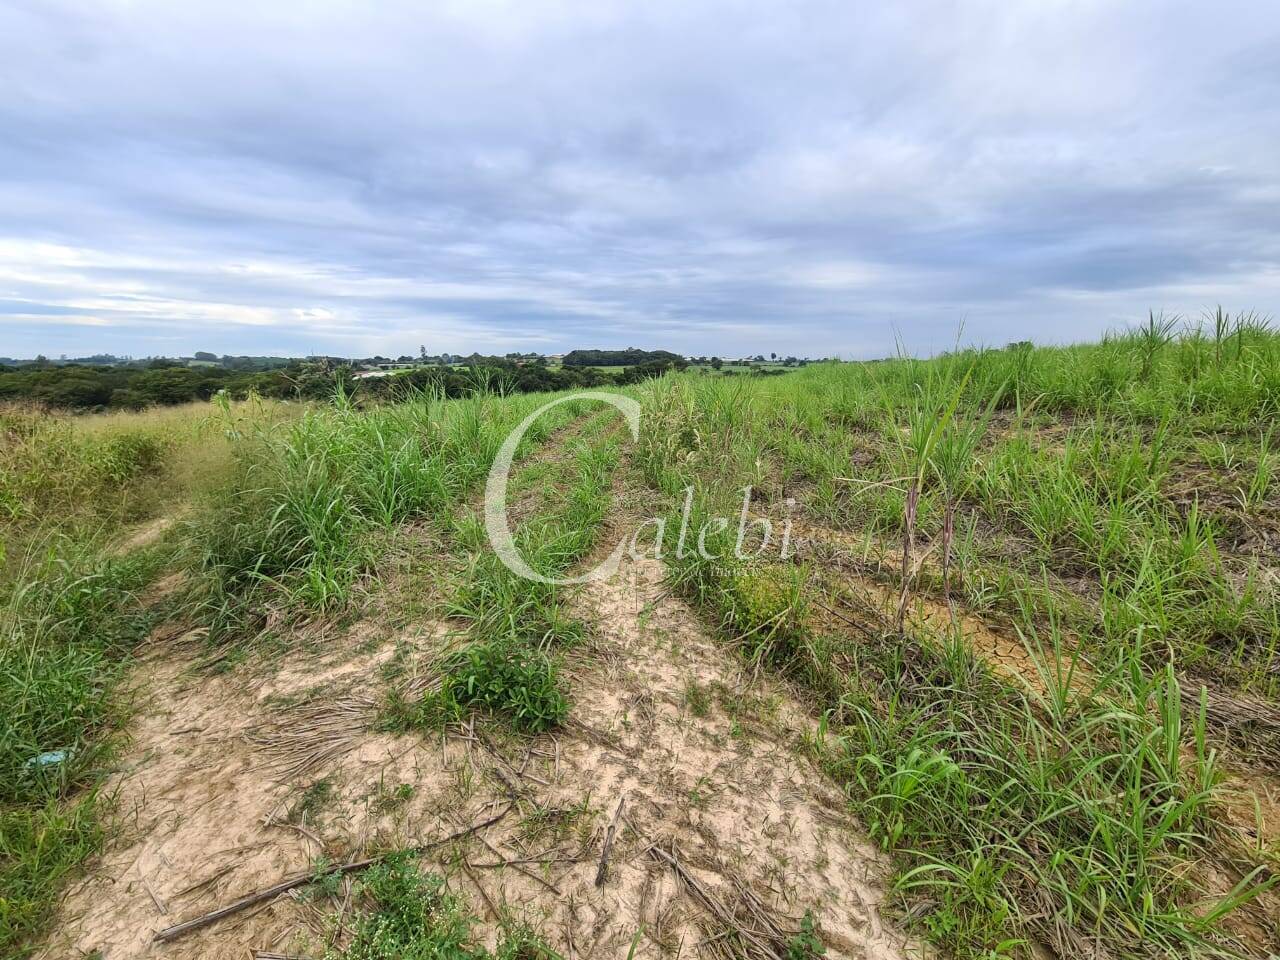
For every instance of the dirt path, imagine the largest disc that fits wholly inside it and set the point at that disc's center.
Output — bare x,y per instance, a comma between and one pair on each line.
707,764
199,809
726,837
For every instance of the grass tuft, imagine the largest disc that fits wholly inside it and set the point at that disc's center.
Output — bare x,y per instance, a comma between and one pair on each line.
413,916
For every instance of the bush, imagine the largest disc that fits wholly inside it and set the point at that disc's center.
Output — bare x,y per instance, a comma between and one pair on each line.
49,466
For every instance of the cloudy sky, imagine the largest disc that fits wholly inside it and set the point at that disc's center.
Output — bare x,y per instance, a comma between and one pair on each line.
707,176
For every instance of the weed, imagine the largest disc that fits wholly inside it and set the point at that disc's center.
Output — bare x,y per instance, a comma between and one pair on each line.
696,699
387,798
501,677
315,798
805,944
41,845
1042,484
411,914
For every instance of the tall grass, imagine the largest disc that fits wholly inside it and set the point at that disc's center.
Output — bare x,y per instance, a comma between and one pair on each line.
69,618
300,520
1073,811
66,628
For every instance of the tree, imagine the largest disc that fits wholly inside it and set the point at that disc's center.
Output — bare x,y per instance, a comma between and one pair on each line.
773,356
173,385
716,363
78,392
127,400
621,358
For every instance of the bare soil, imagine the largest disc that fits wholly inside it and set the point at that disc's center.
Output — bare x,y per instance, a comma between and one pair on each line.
233,782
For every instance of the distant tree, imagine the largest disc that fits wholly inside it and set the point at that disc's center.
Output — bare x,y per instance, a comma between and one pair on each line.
621,358
168,385
87,391
644,371
127,400
204,355
716,363
317,379
773,356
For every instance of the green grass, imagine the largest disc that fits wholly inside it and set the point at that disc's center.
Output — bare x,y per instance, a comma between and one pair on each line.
1065,494
410,915
1109,504
67,625
285,511
518,626
41,846
312,502
502,678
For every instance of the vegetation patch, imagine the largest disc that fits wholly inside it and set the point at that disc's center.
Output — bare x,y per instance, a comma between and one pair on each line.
413,915
67,626
503,678
1079,810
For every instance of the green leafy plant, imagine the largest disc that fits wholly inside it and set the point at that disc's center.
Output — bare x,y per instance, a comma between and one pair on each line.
805,943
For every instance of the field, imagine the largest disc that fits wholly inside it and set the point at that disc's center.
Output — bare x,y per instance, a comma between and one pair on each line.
1003,680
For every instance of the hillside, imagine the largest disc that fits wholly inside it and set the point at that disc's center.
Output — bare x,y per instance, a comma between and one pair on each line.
1002,678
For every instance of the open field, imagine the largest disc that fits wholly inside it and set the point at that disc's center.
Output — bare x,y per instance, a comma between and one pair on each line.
1011,688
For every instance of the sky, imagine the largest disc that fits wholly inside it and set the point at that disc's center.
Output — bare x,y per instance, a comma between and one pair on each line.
808,178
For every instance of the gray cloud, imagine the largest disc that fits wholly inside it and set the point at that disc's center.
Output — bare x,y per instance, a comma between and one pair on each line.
718,177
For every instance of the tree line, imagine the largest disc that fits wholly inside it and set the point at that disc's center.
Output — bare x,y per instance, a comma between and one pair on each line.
162,383
631,357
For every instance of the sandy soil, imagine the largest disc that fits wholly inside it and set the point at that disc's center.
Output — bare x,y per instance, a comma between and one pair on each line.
234,782
145,534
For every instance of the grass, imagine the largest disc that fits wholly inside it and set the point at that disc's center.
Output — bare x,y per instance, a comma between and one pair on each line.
409,914
311,503
88,478
517,626
41,847
1106,508
285,509
1064,494
500,677
69,617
